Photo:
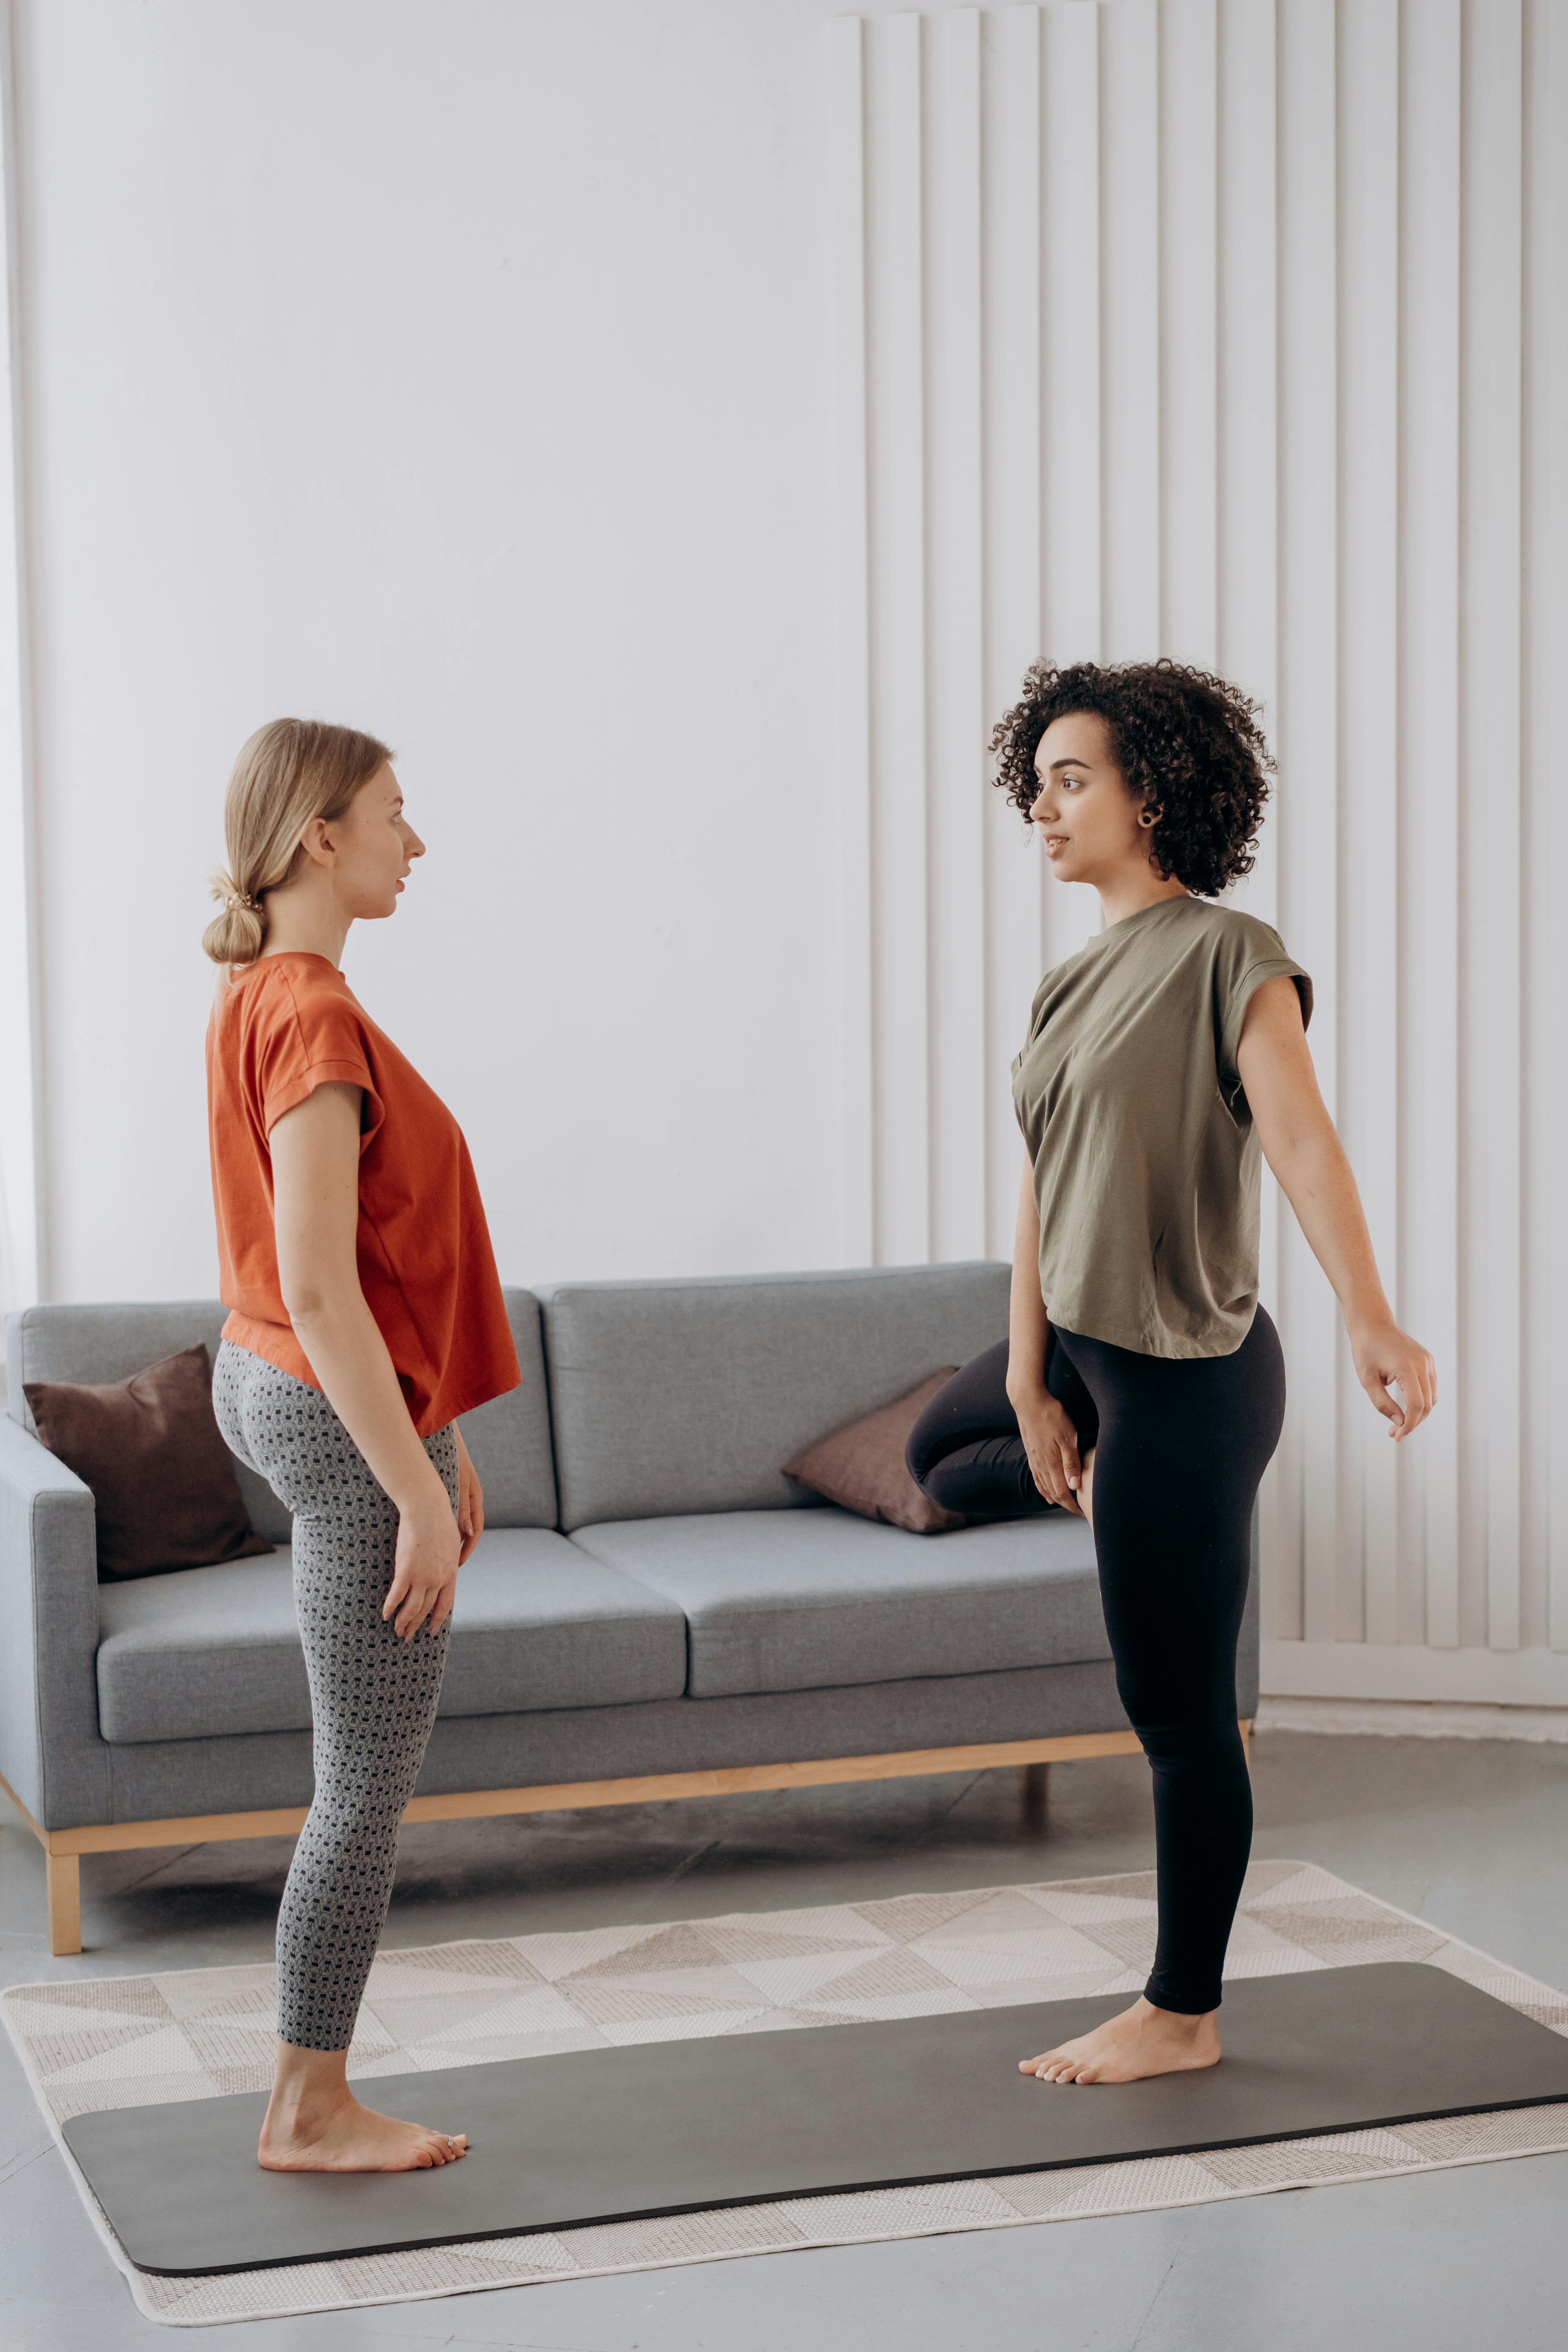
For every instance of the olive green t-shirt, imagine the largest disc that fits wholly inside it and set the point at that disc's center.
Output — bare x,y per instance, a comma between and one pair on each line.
1147,1165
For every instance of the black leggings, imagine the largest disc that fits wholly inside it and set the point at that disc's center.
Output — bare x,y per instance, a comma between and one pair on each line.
1181,1445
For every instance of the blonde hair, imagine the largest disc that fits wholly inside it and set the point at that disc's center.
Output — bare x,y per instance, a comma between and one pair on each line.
291,770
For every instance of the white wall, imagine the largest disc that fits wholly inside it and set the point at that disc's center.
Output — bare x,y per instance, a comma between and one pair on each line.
1235,330
463,373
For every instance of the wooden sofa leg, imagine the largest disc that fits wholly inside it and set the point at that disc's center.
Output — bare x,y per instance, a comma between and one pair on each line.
1034,1782
62,1878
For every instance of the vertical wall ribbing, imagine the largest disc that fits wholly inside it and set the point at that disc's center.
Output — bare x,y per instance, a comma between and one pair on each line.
1368,98
896,207
1491,869
1308,738
1429,780
955,678
1546,807
1233,330
847,97
1189,330
1014,516
23,1242
1073,502
1129,329
1249,548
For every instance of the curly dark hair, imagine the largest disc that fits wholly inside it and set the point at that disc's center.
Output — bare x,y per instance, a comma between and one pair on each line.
1186,741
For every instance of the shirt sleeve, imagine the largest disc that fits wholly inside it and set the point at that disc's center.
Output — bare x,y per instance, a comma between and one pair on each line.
1256,953
315,1036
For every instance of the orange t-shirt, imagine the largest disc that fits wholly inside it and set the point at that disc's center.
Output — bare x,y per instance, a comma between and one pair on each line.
280,1028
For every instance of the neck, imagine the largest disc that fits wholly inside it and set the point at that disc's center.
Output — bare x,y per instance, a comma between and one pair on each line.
1129,894
304,923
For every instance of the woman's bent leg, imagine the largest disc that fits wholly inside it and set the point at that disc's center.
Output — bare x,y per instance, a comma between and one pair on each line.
966,1451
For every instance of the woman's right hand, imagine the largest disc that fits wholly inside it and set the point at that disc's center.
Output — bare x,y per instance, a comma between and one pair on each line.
1050,1441
424,1577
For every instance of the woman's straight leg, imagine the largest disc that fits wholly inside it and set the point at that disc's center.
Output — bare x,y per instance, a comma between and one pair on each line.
1181,1446
373,1696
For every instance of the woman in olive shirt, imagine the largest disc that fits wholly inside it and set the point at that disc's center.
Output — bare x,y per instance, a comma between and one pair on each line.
1158,1060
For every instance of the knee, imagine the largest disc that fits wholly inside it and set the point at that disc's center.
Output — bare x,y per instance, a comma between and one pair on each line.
1207,1737
932,1436
352,1821
950,1482
352,1803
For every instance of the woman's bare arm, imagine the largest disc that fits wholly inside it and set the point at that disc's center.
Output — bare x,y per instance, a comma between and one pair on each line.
315,1179
1050,1438
1302,1146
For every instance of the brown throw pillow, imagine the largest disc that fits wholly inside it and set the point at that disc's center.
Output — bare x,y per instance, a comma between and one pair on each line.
863,1467
162,1477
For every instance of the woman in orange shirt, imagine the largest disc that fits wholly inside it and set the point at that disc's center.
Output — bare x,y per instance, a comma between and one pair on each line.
365,1314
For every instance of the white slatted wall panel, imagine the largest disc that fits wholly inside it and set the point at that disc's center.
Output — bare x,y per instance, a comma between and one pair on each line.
1235,330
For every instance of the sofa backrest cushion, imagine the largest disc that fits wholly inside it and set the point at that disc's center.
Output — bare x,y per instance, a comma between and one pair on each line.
690,1396
509,1438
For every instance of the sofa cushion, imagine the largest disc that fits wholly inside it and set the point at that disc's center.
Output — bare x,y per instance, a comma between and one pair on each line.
865,1469
164,1492
537,1625
783,1601
690,1396
509,1438
58,1342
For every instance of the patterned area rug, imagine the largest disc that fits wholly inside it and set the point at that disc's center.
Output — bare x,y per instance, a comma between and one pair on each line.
117,2041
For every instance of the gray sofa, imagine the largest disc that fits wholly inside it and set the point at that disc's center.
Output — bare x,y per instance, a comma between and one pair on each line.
653,1608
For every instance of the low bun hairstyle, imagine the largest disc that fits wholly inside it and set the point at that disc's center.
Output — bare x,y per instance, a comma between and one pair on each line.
290,771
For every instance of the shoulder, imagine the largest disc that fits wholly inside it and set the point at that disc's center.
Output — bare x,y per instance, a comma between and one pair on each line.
301,1002
1235,938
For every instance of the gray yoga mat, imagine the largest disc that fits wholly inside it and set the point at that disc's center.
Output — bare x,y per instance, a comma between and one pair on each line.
678,2127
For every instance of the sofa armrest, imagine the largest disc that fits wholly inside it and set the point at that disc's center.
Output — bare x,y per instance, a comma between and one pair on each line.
51,1750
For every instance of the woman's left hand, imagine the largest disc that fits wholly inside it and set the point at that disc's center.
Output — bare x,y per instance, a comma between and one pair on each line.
1387,1356
470,1501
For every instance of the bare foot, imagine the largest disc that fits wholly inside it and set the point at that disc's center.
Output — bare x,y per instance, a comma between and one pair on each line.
1143,2041
347,2137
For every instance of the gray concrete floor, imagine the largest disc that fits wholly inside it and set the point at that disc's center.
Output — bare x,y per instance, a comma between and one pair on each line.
1468,1834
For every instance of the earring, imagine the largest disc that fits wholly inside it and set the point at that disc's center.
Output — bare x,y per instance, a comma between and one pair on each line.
1145,817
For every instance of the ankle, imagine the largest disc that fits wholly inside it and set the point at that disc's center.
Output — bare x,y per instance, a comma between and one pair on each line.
1188,2022
296,2107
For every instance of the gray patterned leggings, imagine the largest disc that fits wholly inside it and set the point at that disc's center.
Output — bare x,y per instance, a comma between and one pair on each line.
372,1697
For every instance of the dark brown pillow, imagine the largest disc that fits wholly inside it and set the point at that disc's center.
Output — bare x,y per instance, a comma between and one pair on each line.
863,1467
162,1477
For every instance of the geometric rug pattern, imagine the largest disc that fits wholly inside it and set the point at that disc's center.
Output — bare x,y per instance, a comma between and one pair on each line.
114,2041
